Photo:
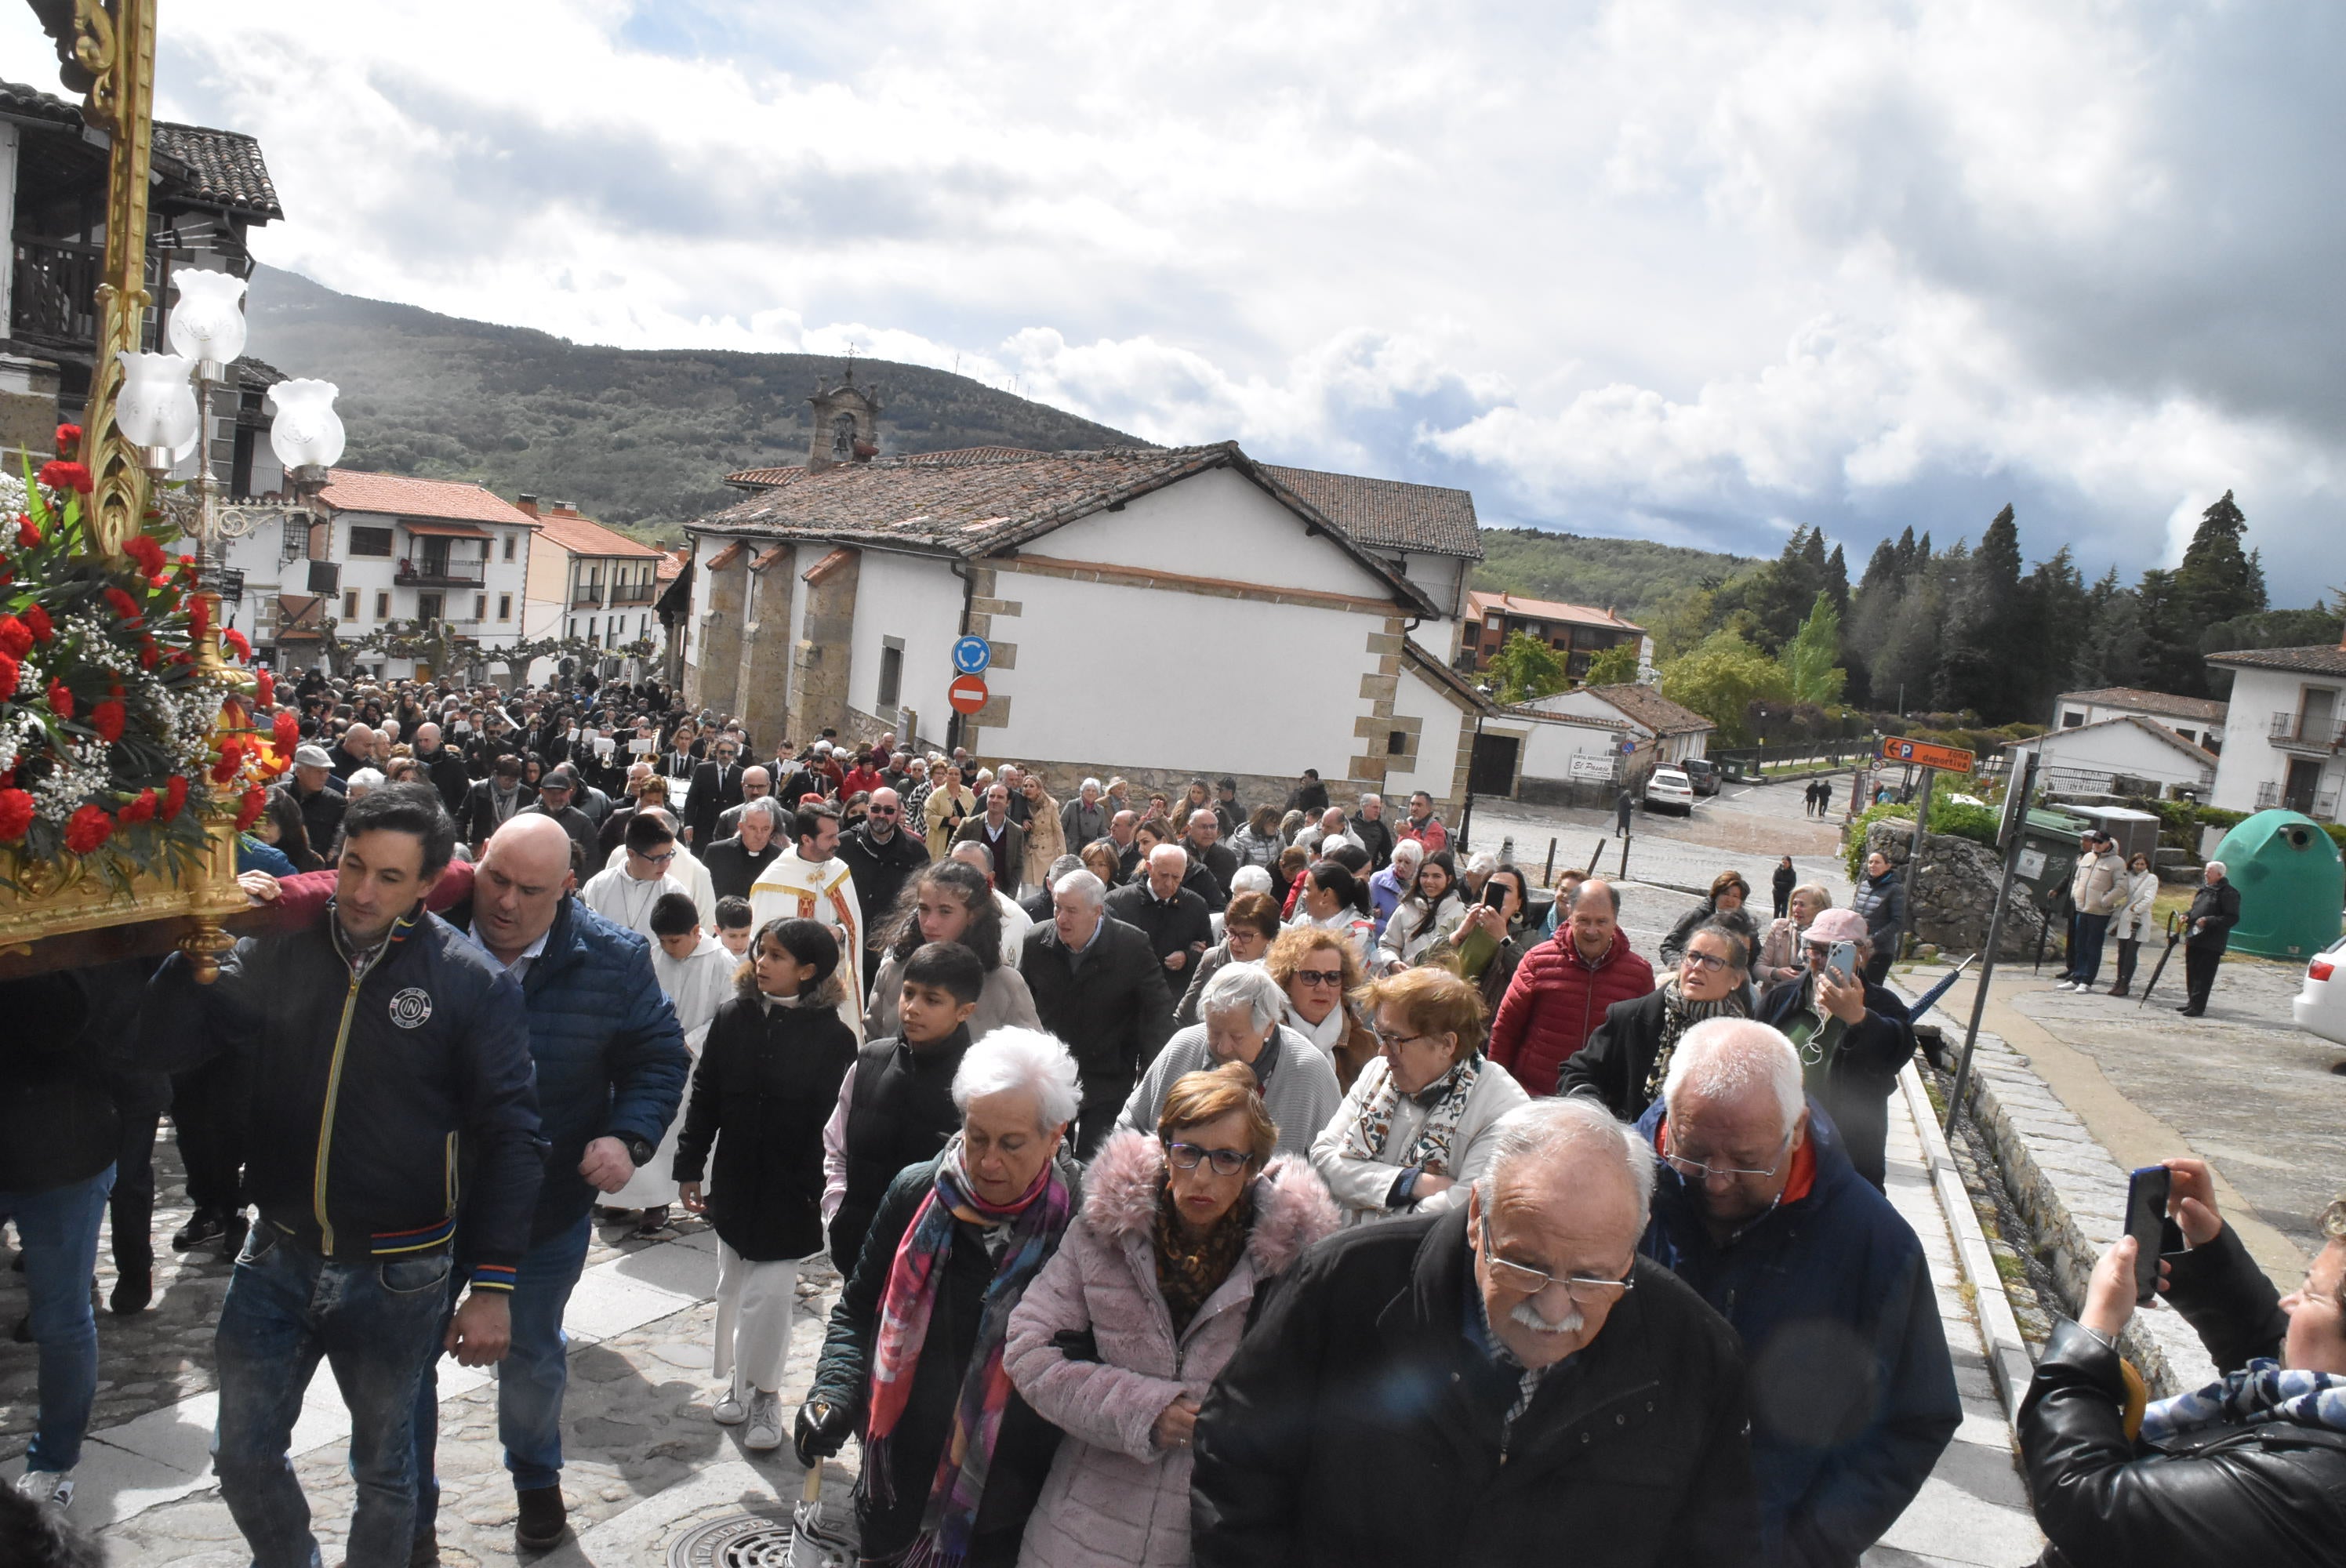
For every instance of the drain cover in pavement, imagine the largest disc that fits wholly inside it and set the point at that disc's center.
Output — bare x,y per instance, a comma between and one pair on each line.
744,1541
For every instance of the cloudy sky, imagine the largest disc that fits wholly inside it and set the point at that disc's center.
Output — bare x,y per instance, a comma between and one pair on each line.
1675,268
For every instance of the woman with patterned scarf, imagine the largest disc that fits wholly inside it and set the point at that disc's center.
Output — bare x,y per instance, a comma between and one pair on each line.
1628,1055
1416,1128
2250,1468
912,1362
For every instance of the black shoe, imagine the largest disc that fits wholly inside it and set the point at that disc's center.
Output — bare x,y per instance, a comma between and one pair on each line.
542,1521
132,1290
655,1220
233,1234
204,1227
426,1551
2190,1011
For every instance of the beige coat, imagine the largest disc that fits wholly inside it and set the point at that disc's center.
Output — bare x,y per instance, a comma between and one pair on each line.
1047,840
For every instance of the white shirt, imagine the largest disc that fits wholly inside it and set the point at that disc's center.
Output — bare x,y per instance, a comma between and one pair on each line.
519,967
686,869
623,900
1016,923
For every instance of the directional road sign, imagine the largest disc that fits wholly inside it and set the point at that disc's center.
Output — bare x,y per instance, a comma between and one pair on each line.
1922,754
966,693
971,656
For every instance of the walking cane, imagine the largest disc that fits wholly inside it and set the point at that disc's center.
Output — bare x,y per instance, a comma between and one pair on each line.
2174,935
812,1545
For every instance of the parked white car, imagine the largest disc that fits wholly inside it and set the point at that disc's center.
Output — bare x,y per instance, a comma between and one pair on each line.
2321,1007
1670,789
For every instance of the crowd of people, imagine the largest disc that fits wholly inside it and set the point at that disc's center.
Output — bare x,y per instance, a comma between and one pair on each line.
1211,1182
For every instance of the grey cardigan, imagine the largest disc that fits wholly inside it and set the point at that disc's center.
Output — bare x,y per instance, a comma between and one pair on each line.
1301,1095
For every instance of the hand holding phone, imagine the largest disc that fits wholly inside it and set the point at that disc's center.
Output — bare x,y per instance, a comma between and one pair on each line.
2146,1222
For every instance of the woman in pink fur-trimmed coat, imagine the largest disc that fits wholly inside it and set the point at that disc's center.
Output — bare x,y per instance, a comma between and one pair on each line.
1119,1337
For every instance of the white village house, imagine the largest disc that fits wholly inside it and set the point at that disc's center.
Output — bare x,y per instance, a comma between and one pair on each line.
2283,732
2127,754
1663,733
1274,619
2198,720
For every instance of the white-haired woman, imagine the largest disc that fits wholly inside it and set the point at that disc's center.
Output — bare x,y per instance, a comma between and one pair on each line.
912,1362
1238,1014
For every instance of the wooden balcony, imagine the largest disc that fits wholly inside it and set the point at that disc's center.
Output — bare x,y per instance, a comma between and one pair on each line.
439,572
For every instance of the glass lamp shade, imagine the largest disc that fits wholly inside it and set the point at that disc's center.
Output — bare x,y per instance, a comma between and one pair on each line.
207,323
156,407
307,432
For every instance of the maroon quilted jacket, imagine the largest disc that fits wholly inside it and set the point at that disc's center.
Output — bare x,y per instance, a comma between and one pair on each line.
1556,999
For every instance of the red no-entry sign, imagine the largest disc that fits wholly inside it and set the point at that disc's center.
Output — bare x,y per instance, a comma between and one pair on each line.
966,693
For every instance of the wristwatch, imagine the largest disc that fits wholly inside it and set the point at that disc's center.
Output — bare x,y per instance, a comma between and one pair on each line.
638,1151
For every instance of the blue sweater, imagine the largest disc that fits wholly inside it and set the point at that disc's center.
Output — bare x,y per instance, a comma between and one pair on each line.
1852,1393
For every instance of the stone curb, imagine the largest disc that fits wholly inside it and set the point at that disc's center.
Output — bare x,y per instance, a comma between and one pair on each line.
2008,1360
2073,1196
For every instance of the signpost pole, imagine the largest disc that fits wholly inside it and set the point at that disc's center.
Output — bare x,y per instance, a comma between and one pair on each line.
2016,823
1914,855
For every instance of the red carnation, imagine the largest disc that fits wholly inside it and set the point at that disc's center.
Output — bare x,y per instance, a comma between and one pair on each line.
264,688
15,637
107,720
148,654
200,620
37,619
232,758
11,672
248,808
16,814
286,730
142,809
143,549
88,828
61,701
123,605
174,795
63,475
68,440
239,643
28,533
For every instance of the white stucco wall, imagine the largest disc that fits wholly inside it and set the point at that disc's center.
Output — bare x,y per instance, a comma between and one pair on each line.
1214,525
2191,730
1155,678
1549,748
918,599
2249,757
1434,769
2085,759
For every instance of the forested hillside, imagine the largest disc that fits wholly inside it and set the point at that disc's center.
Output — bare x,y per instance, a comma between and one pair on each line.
1633,576
633,436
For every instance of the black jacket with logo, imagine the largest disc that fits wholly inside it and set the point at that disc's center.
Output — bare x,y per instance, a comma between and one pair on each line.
372,1099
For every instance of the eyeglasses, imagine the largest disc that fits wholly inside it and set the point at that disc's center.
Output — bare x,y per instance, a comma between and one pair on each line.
661,859
1697,1170
1706,961
1320,976
881,810
1530,1281
1188,1156
1392,1041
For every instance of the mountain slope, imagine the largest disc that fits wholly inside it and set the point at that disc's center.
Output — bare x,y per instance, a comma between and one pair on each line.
1634,576
637,437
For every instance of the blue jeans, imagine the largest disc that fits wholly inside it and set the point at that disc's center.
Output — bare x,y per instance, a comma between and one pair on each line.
2087,962
59,1230
377,1325
530,1380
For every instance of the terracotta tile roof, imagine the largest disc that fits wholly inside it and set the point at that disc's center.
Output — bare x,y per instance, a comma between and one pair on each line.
979,505
2307,661
764,478
957,457
1389,513
671,565
2199,707
1480,604
223,167
1650,709
584,536
397,495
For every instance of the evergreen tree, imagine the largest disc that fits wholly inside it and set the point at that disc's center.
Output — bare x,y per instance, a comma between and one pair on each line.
1872,612
2218,580
2054,621
2111,649
1836,579
1978,642
1810,659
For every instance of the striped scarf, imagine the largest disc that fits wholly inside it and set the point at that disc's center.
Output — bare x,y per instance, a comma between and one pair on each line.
1036,1221
1678,1015
2263,1390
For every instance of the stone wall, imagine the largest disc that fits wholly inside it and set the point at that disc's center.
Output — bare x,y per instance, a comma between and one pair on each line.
1954,897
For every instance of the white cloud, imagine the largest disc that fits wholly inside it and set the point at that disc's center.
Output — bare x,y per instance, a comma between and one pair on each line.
1692,267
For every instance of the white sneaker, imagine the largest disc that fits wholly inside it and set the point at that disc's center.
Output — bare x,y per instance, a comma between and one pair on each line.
765,1433
54,1487
729,1410
2067,986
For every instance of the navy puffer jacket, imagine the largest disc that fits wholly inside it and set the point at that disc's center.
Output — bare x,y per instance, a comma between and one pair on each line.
610,1057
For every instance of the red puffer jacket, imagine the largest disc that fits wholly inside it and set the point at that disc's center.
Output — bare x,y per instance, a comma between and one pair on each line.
1556,999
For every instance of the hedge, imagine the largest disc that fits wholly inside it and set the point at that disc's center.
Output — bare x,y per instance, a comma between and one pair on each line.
1957,818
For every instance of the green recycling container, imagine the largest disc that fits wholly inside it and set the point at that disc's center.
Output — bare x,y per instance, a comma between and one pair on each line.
2291,884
